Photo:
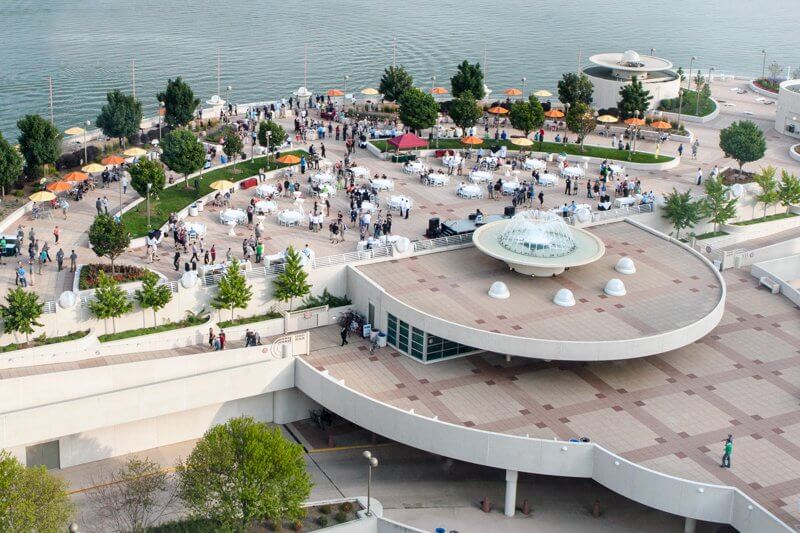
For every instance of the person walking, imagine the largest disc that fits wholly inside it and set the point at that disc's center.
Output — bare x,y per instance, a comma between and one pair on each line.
124,184
680,150
695,147
99,205
699,180
73,261
541,199
176,260
56,233
726,456
2,248
342,334
60,259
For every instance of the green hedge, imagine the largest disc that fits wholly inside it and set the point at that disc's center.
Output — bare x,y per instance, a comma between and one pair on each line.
691,107
250,319
44,341
768,218
193,320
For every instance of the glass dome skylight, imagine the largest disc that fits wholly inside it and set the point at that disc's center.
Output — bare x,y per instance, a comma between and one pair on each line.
537,234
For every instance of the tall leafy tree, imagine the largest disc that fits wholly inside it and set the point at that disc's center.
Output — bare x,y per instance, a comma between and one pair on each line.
394,82
574,88
121,117
147,171
681,210
789,190
527,116
32,499
108,237
21,312
277,135
293,281
179,102
233,146
634,97
183,153
717,206
10,165
233,291
468,78
153,295
464,110
418,110
769,187
243,471
580,120
109,300
39,143
743,141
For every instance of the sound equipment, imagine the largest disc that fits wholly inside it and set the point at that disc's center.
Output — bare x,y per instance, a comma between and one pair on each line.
433,228
509,211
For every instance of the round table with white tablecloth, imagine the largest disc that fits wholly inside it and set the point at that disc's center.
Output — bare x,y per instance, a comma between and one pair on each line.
509,187
359,172
319,179
534,164
368,206
480,176
548,180
235,215
383,185
616,169
289,217
625,201
451,161
327,189
414,167
437,179
195,229
470,191
572,172
266,207
266,190
398,201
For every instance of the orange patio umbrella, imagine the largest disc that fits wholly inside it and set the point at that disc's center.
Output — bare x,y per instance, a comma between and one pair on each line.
438,90
335,92
554,113
59,186
112,160
76,176
513,92
633,121
661,125
288,159
497,110
471,140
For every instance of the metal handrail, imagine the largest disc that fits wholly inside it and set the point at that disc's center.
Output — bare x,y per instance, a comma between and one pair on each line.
621,212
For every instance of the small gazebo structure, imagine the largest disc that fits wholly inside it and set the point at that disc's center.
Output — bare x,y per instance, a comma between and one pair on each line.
407,141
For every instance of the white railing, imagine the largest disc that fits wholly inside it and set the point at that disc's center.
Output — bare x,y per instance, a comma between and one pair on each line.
443,242
622,212
299,344
353,257
49,307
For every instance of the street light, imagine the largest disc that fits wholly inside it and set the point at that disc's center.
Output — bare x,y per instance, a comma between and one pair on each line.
566,107
160,118
85,147
697,104
344,99
680,91
524,86
763,63
373,463
149,185
635,134
269,134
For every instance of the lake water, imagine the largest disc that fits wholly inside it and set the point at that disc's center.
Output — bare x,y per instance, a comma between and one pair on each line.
87,45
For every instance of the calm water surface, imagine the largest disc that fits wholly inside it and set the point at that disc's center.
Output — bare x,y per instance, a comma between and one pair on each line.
87,45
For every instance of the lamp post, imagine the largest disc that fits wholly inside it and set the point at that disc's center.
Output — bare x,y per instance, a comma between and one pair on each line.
85,147
566,107
697,104
635,134
161,107
373,463
149,185
344,98
524,86
269,134
680,91
763,63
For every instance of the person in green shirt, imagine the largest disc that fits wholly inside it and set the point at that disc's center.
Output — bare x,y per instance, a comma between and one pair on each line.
726,456
2,248
259,251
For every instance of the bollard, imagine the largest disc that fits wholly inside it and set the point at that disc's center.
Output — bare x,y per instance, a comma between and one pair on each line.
285,350
526,507
596,509
486,506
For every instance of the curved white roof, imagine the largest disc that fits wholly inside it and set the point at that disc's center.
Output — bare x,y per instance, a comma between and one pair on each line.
631,61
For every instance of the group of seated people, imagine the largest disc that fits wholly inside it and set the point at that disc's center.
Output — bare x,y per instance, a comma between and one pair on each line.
252,338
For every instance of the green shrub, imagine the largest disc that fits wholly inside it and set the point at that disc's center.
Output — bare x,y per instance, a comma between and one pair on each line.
19,193
346,507
340,517
325,298
297,525
122,274
325,509
322,520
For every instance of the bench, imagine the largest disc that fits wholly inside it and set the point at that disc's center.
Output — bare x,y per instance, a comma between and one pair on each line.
771,284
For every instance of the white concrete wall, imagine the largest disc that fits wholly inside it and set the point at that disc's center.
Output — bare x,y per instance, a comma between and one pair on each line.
787,111
784,271
606,92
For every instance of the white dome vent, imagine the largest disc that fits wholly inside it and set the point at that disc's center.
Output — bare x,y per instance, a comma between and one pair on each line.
625,266
631,59
189,279
499,290
615,287
564,298
67,300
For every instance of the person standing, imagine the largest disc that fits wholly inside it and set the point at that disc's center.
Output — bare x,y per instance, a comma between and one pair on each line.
124,184
60,259
105,204
728,451
541,199
695,147
21,279
213,254
176,260
73,261
99,205
56,233
2,248
568,188
699,180
342,334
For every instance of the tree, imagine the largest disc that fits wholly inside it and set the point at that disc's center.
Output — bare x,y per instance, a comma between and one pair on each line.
10,165
109,300
464,110
243,471
277,135
634,97
21,312
681,210
153,295
179,102
232,146
527,116
699,80
418,110
716,206
468,78
574,88
681,74
743,141
121,117
292,282
769,187
774,70
233,292
789,190
39,143
147,171
183,153
133,498
394,82
108,237
32,498
580,119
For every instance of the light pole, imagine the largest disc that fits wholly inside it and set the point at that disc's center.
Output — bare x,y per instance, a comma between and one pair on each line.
524,86
635,134
344,99
680,98
85,147
373,463
149,185
763,63
269,134
697,104
161,108
566,107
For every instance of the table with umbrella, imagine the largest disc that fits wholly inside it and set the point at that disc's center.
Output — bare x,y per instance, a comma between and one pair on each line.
542,94
41,197
112,160
288,159
498,110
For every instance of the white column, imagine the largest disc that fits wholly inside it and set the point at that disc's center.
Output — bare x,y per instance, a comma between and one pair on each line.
689,525
511,492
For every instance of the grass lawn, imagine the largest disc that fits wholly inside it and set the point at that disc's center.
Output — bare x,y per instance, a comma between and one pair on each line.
44,341
549,147
691,106
249,319
709,235
768,218
177,197
186,323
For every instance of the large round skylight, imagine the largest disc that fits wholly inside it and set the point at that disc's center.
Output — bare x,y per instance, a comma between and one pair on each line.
537,234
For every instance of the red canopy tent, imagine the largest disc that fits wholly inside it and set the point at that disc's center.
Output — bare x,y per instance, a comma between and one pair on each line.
408,141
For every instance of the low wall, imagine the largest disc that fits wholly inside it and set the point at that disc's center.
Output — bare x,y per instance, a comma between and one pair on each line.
166,340
52,353
9,223
784,271
793,152
763,92
761,229
692,118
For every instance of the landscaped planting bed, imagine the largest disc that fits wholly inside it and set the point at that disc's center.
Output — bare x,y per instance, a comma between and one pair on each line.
122,274
44,341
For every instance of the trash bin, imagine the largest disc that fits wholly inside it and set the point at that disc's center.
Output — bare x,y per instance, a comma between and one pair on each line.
381,339
193,210
200,204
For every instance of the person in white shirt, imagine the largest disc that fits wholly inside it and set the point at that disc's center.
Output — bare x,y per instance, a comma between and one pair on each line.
699,180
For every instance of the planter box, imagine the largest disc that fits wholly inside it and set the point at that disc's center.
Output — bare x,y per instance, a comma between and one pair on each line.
762,229
763,92
694,119
62,352
793,152
165,340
